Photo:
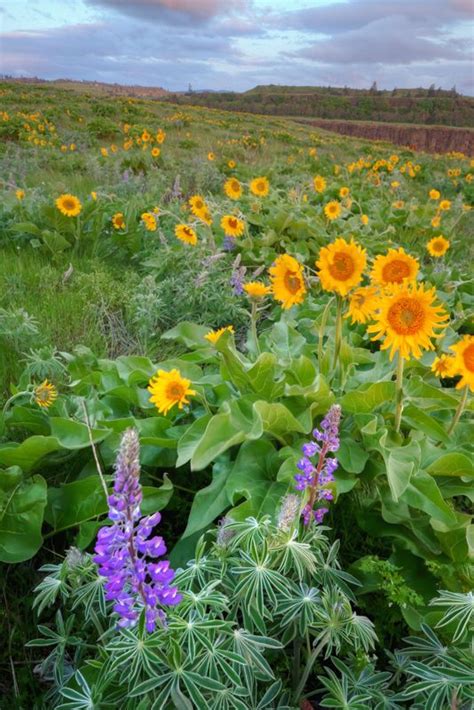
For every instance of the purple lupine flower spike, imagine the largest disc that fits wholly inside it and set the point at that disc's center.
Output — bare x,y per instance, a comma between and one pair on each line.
125,554
315,477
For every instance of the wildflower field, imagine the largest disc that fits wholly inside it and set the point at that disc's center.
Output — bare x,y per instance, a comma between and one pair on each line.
236,434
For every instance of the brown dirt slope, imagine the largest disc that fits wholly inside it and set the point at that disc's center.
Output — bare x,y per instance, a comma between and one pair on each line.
432,139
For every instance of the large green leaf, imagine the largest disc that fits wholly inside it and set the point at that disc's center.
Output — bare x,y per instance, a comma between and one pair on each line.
253,477
22,503
366,400
453,464
187,333
220,434
401,462
190,439
418,419
210,501
423,493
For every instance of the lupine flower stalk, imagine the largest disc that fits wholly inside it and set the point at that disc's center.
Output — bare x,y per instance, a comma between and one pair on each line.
126,554
315,477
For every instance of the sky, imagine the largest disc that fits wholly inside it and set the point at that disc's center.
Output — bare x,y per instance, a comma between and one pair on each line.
237,44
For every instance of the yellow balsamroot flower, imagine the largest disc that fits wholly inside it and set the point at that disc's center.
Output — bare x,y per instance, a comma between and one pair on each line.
160,136
434,194
211,156
68,205
363,304
118,220
149,221
72,147
313,152
231,164
260,186
332,209
445,205
45,394
394,184
438,246
233,188
155,152
319,183
197,205
214,335
232,226
256,290
63,148
19,194
398,204
343,192
168,389
394,267
444,366
145,136
288,285
340,266
364,219
464,361
408,319
436,221
113,148
205,216
94,195
104,152
186,234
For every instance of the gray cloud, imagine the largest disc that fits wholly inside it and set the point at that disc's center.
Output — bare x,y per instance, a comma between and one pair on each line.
186,12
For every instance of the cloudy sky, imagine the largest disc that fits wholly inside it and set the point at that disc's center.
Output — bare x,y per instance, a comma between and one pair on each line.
236,44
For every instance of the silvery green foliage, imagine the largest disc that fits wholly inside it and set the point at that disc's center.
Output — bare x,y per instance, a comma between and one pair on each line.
256,598
430,673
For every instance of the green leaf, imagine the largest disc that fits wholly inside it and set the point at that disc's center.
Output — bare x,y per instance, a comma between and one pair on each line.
401,463
253,477
277,419
74,435
27,454
210,501
189,441
352,456
453,464
220,434
22,503
423,493
189,334
366,400
418,419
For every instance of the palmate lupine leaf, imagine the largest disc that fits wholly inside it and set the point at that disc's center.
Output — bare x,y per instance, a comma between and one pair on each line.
207,598
428,647
135,654
295,555
340,695
299,608
53,584
459,610
248,531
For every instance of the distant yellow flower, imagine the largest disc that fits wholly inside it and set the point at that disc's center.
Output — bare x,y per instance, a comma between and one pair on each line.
398,204
319,183
104,152
186,234
211,156
464,361
113,148
118,221
63,148
72,147
197,205
332,209
145,136
214,335
363,303
19,194
155,152
260,186
231,164
160,136
68,205
394,184
149,221
445,205
45,394
436,221
233,188
394,267
94,195
288,285
434,194
438,246
364,219
232,226
168,389
443,366
340,266
343,192
408,319
205,216
256,290
313,152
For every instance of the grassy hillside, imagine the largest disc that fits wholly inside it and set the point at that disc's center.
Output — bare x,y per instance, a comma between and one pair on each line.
421,106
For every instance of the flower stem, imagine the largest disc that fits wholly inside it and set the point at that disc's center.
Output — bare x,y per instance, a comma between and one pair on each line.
337,346
459,410
399,393
309,665
94,452
253,326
